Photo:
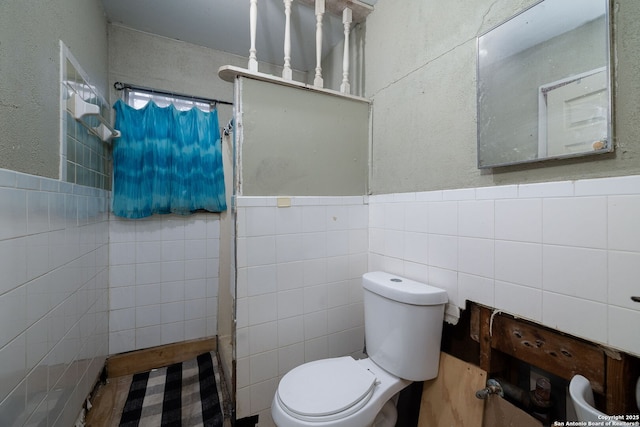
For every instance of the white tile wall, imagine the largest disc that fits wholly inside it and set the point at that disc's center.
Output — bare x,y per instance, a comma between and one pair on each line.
53,297
298,288
565,254
164,280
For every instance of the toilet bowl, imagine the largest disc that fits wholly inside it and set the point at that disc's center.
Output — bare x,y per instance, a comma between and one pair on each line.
403,326
337,392
582,399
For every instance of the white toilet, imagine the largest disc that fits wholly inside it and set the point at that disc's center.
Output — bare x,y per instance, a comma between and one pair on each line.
403,326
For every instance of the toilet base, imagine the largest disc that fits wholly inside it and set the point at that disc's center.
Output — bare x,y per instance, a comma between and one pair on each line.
387,416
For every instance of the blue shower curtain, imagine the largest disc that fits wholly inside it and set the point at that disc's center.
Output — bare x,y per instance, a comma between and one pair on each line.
166,161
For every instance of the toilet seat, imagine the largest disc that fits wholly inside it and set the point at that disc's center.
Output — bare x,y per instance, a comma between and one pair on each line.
326,390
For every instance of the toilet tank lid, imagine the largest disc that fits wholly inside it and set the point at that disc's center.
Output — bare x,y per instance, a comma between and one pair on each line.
403,290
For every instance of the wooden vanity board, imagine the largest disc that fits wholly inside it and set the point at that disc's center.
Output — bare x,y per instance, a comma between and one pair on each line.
500,413
449,399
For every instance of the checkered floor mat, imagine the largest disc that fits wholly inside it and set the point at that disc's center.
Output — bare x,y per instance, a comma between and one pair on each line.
185,394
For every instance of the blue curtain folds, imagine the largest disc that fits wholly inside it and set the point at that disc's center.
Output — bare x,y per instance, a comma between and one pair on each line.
166,161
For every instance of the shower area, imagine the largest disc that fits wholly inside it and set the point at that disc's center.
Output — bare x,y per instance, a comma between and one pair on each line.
274,280
297,233
276,277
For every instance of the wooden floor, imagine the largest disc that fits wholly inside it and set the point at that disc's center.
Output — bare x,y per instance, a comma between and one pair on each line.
108,401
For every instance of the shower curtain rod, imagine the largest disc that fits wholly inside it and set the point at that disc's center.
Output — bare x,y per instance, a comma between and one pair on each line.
122,86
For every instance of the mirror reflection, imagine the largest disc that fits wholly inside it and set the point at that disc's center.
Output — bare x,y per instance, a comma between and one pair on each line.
543,84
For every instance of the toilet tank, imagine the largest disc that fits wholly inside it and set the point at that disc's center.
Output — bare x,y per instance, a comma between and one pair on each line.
403,325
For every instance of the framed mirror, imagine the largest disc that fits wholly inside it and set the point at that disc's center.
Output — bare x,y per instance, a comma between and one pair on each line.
544,84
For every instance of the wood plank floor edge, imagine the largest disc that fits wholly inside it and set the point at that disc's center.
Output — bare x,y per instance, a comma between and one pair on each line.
156,357
108,401
108,398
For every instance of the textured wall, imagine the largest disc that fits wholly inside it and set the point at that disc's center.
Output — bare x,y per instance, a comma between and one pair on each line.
421,72
161,63
29,82
302,143
158,62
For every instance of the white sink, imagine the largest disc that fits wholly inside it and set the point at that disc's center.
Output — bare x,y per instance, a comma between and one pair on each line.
582,398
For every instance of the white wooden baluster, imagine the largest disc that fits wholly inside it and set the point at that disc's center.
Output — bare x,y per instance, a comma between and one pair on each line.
253,18
286,71
318,81
347,17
